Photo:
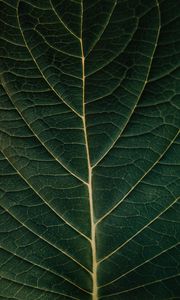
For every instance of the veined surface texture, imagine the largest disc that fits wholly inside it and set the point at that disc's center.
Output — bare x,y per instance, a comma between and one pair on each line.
89,149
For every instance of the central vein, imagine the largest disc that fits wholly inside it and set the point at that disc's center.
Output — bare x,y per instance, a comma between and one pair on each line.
89,185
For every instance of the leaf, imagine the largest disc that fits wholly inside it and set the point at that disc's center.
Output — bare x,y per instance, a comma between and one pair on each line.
89,180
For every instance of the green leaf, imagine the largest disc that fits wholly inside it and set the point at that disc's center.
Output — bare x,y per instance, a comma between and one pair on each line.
89,177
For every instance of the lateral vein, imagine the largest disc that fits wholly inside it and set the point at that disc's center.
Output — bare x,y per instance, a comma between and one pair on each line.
41,267
37,65
40,141
44,200
139,181
138,232
37,288
140,94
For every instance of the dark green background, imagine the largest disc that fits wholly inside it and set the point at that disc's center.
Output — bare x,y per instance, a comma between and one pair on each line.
132,88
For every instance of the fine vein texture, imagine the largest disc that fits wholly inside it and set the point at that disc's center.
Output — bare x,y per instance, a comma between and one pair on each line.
89,149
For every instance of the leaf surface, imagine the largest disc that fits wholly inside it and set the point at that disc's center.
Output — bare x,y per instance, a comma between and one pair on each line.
89,177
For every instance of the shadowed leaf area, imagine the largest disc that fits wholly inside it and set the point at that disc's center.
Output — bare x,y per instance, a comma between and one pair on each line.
89,149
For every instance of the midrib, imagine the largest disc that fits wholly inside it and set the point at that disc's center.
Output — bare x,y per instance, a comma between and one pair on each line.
89,185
